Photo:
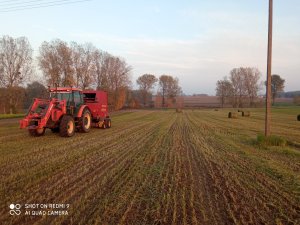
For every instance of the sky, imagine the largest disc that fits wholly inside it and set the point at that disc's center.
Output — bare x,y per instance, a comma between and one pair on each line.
198,41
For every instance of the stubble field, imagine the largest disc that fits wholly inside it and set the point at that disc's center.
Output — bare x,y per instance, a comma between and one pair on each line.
156,167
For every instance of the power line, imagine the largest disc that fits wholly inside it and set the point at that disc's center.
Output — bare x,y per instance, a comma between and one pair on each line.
40,5
32,3
9,3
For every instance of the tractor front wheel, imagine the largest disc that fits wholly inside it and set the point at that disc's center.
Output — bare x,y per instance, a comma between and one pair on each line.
37,132
67,126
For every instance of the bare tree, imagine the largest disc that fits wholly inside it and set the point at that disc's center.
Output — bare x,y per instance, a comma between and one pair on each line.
146,83
237,82
101,62
224,90
251,78
49,63
120,80
15,61
15,65
65,63
119,73
56,62
245,84
84,64
169,87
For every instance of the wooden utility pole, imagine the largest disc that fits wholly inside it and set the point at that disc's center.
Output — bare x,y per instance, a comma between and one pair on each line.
269,66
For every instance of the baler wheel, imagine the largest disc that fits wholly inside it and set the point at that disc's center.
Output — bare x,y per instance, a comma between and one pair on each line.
37,132
108,123
67,126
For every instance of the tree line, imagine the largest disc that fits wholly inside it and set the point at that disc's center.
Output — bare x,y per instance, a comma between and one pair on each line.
168,89
72,64
241,88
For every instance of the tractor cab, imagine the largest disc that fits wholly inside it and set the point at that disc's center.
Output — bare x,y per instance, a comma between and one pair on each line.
72,96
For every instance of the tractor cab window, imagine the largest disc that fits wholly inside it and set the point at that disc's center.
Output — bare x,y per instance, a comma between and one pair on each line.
62,96
77,98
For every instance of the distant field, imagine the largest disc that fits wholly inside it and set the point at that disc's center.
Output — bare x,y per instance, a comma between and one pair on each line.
201,101
157,167
213,101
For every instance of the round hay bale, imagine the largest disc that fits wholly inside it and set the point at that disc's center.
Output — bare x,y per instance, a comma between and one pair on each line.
232,115
298,117
246,114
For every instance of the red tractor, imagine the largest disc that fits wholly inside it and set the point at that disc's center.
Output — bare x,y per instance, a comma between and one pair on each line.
68,109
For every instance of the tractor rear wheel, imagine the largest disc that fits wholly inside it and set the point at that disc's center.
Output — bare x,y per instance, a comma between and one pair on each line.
85,121
67,126
37,132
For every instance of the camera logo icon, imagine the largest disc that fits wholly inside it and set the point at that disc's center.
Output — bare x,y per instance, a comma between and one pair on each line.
15,209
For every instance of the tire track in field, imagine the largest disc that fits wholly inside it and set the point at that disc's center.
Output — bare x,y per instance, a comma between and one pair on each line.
186,186
195,199
166,186
172,198
210,208
186,181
